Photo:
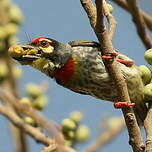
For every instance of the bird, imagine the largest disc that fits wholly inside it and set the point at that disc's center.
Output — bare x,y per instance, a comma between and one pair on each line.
79,66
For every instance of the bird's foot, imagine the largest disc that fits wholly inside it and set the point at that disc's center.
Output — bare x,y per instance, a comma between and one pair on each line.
119,105
126,62
110,56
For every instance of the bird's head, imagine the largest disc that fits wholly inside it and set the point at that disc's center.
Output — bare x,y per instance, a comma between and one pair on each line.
42,53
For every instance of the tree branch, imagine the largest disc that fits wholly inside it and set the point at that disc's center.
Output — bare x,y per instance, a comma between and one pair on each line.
17,121
106,137
111,20
7,98
116,75
139,23
147,18
148,129
90,10
34,132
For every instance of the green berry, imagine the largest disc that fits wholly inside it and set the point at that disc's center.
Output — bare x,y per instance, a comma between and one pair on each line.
114,122
82,133
16,51
68,124
148,56
110,8
145,73
76,116
25,100
33,90
40,102
148,92
69,134
30,121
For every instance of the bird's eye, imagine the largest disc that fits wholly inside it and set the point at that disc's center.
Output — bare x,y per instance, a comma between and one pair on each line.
44,43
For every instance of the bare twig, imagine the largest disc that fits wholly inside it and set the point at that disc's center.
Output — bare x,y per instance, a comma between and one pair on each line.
90,10
57,145
106,137
140,24
148,129
111,20
147,18
116,75
29,111
62,149
17,121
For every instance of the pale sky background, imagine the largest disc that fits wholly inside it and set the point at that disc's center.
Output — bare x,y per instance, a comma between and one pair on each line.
65,20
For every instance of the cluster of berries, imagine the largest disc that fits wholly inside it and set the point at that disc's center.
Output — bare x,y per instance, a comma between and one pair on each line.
36,99
147,77
9,24
72,129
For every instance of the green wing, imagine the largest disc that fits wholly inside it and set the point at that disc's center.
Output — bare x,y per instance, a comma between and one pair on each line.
84,43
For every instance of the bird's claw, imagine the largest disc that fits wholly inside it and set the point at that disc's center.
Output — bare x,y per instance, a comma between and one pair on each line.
125,62
119,105
110,56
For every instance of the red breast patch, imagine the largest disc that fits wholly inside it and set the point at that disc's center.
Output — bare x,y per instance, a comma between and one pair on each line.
65,74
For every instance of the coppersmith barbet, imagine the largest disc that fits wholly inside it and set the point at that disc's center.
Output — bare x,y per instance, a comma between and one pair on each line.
78,66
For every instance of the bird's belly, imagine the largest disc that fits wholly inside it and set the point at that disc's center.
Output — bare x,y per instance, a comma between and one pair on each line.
98,83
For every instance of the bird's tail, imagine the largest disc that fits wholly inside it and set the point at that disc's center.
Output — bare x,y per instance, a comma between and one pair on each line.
140,110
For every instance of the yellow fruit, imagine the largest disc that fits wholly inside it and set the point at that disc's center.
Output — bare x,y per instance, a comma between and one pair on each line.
114,122
145,73
148,92
33,90
82,133
148,56
69,134
16,51
68,124
25,100
32,51
110,8
76,116
30,121
40,102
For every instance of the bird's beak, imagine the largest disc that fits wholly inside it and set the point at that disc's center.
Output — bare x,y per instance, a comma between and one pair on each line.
25,54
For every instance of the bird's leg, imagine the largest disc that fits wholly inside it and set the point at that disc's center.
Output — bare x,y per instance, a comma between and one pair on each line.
112,55
119,105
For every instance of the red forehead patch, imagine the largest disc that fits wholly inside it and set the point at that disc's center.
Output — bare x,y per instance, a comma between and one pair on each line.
38,39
